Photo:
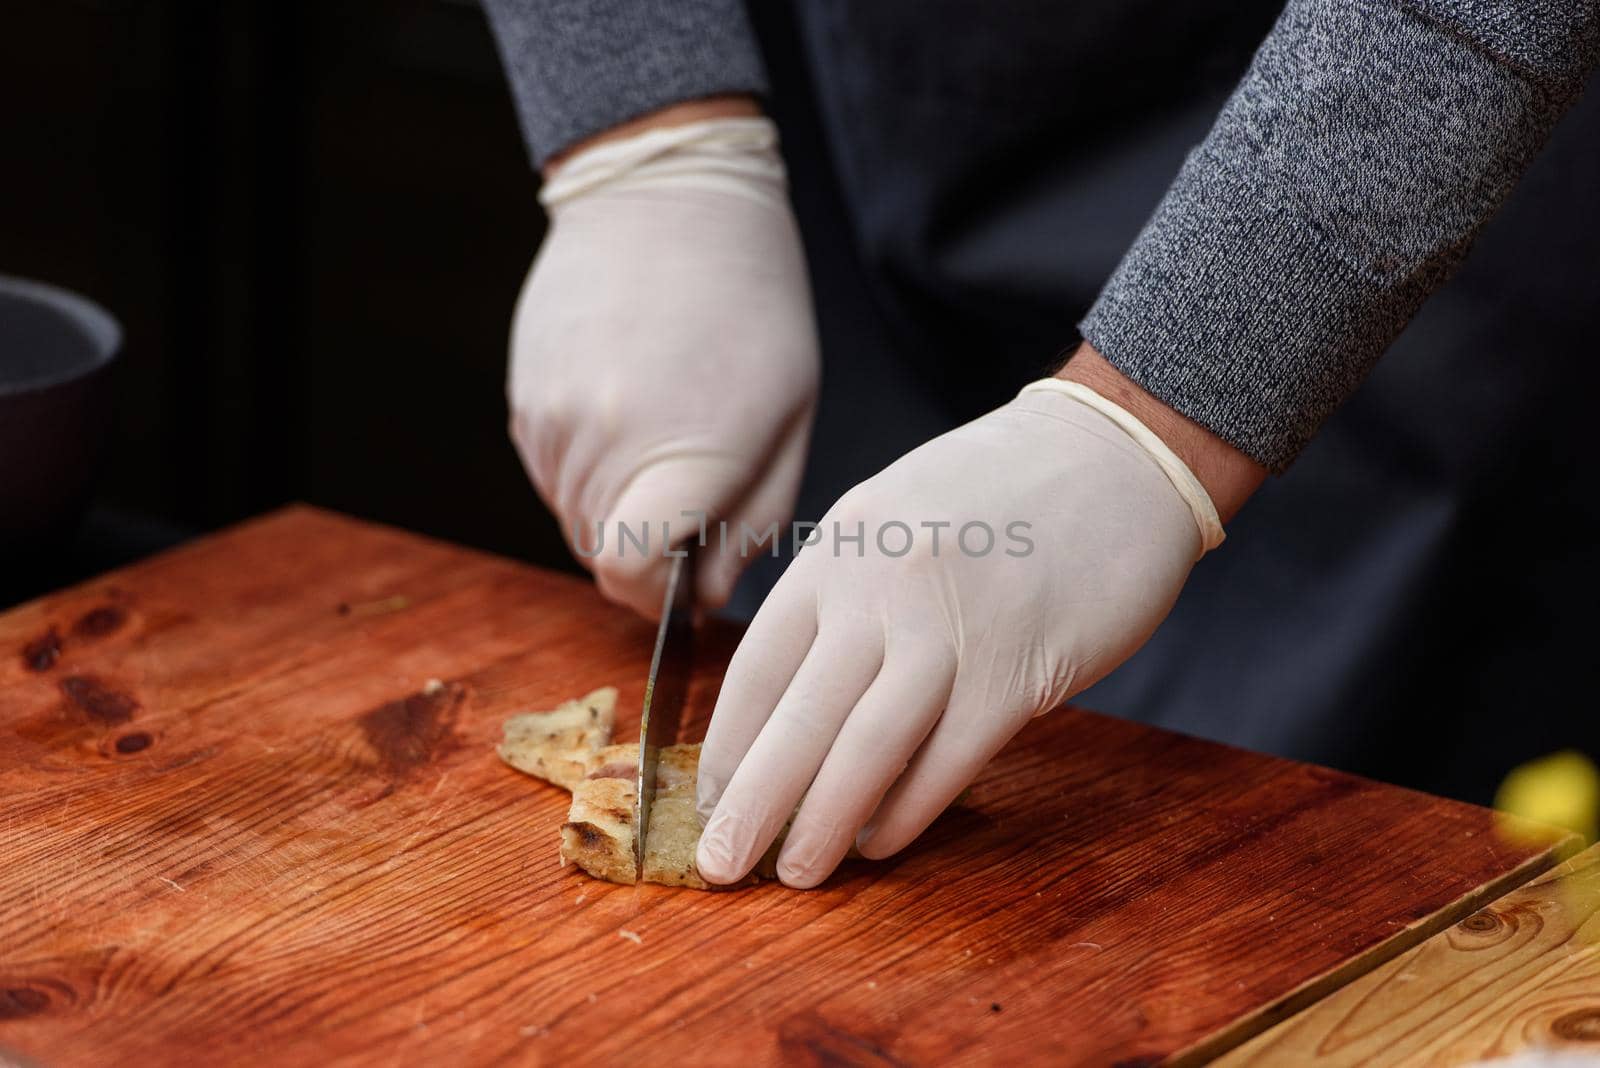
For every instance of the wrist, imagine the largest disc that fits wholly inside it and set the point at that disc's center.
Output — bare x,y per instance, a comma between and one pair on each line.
1228,475
733,105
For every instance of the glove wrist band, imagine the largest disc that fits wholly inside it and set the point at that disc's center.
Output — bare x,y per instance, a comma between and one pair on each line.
1189,488
730,155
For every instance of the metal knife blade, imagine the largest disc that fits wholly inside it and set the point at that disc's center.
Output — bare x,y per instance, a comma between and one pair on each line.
664,691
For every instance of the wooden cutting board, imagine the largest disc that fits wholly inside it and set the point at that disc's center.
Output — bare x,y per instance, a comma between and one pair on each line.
237,826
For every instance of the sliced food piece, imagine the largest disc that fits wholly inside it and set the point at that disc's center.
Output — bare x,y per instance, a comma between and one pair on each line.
598,834
674,824
559,745
570,747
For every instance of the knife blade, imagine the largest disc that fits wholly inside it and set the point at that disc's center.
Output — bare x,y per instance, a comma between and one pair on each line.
664,691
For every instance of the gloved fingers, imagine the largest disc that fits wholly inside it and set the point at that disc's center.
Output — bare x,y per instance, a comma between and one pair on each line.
538,446
772,650
877,741
543,446
768,507
635,580
648,517
966,738
774,773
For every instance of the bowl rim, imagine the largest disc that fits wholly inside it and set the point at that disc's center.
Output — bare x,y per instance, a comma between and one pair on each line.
89,319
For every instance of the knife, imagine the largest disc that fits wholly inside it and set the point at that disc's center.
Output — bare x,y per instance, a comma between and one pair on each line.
664,691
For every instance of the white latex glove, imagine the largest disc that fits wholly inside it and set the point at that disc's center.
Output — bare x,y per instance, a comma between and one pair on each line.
663,353
876,686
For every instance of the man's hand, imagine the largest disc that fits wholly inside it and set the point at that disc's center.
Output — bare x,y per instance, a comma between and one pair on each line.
663,354
1047,540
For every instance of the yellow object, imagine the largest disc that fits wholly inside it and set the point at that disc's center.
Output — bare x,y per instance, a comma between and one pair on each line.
1561,789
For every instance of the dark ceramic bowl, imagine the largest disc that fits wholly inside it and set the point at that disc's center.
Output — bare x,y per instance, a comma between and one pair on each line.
55,401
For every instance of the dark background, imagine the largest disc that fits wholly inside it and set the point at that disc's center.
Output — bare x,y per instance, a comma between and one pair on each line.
312,221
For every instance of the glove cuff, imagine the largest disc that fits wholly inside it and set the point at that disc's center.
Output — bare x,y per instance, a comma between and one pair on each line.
1189,488
730,155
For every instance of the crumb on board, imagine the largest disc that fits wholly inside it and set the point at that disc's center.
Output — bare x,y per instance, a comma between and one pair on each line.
432,686
581,897
632,936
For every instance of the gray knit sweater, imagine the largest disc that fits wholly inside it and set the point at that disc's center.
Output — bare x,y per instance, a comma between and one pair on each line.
1345,178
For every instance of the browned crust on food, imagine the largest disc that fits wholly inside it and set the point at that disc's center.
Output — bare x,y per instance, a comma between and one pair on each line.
596,852
598,834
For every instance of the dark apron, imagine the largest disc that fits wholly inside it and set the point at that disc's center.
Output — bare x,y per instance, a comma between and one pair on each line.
1413,599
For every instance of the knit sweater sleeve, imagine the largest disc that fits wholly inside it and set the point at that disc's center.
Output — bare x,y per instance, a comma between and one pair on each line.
577,67
1343,181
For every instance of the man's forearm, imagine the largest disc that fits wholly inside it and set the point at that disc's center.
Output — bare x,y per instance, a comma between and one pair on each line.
578,67
1344,180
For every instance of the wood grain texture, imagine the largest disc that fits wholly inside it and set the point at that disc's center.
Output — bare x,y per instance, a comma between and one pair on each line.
236,826
1523,973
